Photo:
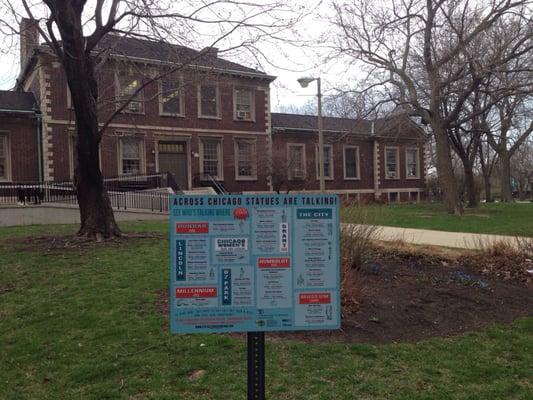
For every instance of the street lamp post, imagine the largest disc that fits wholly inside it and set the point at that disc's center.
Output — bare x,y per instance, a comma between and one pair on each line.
304,82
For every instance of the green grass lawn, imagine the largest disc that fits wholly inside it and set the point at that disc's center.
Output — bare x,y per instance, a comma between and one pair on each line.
496,218
83,325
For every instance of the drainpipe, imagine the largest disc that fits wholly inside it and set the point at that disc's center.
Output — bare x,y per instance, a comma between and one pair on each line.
40,174
375,160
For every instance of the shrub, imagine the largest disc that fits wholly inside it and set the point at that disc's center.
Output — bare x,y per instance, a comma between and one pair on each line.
356,236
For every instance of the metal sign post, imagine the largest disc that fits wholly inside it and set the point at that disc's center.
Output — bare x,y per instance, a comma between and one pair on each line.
256,365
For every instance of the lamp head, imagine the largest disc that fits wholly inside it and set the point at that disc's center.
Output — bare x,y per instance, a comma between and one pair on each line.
304,82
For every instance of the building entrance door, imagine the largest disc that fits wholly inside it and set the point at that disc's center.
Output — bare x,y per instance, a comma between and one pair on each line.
173,158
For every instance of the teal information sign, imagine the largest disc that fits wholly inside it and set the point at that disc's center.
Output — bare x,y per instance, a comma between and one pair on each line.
247,263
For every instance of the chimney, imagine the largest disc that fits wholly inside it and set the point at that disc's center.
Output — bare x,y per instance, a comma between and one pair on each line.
29,38
210,51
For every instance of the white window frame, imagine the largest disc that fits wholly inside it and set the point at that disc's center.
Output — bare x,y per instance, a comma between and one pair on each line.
304,162
238,176
69,99
386,172
199,95
327,148
181,96
119,99
417,150
220,155
142,155
251,94
4,137
357,163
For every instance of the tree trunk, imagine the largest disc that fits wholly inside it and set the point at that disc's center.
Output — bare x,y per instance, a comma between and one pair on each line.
470,182
445,172
488,189
96,214
505,178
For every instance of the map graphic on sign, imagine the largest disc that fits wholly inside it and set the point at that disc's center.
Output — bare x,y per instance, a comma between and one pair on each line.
247,263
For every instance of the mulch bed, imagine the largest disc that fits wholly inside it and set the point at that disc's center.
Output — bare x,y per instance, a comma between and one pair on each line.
401,298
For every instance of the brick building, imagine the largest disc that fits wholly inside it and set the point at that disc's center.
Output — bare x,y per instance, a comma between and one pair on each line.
374,160
19,136
205,118
208,117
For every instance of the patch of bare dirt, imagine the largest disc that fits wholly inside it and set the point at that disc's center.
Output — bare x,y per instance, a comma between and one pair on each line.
401,296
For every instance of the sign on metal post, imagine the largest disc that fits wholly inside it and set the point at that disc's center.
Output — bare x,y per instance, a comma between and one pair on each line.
254,263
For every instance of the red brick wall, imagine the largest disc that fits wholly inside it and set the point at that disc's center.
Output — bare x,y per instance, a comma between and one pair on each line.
402,182
106,81
22,139
366,163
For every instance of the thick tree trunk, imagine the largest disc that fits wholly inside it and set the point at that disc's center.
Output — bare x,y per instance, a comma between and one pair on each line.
96,214
445,172
470,184
488,189
505,178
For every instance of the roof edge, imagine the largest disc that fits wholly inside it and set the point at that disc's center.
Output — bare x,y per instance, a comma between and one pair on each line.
46,49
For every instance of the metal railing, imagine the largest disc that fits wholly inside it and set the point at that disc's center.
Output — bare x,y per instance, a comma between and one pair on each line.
125,192
209,180
37,193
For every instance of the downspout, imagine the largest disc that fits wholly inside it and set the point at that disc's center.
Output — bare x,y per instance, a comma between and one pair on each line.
375,160
40,175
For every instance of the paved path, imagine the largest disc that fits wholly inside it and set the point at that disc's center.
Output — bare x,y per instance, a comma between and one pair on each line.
440,238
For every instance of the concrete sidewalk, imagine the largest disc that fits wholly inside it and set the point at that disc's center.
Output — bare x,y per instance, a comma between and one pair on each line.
440,238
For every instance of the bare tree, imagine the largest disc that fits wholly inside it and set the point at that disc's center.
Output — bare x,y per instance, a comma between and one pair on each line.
487,162
418,52
522,170
511,126
74,31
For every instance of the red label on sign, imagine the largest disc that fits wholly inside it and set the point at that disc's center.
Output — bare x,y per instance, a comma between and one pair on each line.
274,262
315,298
192,227
189,292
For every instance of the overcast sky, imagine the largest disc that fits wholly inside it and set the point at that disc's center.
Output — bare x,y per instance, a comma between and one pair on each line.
286,61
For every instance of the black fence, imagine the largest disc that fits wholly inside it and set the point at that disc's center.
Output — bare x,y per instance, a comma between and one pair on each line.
143,192
37,193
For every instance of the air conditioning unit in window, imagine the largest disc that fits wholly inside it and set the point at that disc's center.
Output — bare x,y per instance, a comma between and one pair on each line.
134,106
243,114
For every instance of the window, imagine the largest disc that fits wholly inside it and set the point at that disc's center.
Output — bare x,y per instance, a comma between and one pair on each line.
131,156
170,97
245,159
296,161
328,162
127,86
244,104
411,163
211,158
208,101
391,163
4,157
351,162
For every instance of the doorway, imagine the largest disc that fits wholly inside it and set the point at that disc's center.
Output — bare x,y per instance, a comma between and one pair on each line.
173,158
